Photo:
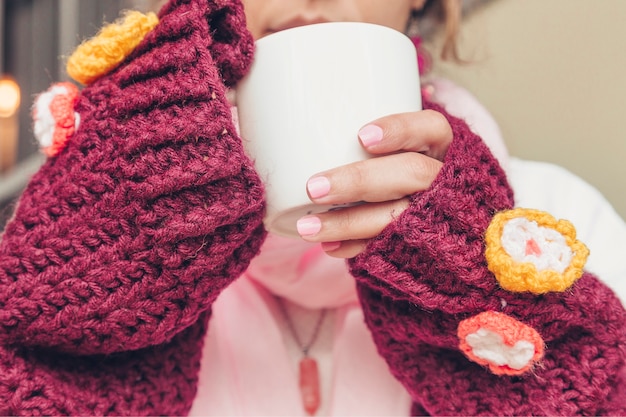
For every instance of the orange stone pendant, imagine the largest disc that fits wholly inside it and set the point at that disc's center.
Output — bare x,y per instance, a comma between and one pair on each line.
309,385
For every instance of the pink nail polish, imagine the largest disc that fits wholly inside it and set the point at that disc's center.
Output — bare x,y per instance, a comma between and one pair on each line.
330,246
318,187
308,225
370,135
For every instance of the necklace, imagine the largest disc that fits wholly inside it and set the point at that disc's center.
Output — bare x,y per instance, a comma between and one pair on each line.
309,379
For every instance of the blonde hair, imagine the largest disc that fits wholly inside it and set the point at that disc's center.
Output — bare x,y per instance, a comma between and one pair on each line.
445,16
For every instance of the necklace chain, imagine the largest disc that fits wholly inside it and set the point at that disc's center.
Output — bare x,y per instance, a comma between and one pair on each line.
304,347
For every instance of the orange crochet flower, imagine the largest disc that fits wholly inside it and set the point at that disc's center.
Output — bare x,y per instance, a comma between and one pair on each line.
506,346
55,120
529,250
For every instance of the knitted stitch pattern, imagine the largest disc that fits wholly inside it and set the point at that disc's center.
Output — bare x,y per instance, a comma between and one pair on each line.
120,244
427,272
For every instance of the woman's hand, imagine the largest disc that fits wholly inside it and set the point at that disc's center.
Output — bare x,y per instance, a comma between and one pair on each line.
409,149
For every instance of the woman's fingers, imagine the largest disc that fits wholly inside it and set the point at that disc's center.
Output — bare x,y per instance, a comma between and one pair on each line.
384,178
358,222
427,132
408,149
346,249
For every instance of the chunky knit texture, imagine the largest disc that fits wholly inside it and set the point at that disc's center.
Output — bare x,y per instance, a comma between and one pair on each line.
120,243
427,272
123,240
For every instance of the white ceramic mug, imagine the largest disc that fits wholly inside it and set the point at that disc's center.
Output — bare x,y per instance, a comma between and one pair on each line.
309,91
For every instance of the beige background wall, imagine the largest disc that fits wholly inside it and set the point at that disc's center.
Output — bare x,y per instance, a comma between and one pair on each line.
553,73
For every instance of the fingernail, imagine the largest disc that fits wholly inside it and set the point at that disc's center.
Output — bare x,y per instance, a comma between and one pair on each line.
308,225
330,246
318,187
370,135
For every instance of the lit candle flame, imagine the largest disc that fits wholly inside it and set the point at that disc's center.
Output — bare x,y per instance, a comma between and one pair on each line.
9,97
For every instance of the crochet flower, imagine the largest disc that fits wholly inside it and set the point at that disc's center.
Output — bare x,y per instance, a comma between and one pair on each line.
529,250
505,345
101,54
55,120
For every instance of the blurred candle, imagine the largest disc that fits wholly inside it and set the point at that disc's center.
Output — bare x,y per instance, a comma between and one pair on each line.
9,124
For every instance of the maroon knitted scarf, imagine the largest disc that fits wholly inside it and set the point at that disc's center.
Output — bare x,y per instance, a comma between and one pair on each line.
122,241
120,244
427,273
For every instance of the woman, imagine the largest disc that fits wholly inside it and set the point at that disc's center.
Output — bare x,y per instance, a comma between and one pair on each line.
138,236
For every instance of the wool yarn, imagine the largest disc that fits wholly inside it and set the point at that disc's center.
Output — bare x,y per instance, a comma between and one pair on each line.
111,46
121,242
519,350
55,120
127,234
521,272
426,274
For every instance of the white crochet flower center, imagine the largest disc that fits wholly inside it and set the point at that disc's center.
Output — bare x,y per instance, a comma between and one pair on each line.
490,346
527,242
44,122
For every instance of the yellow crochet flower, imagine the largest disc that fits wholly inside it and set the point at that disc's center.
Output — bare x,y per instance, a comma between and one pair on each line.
529,250
101,54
